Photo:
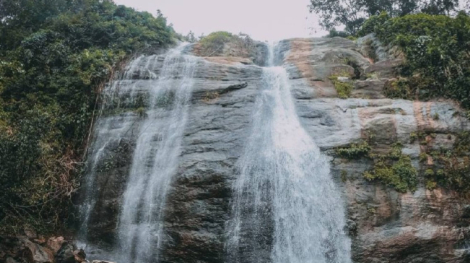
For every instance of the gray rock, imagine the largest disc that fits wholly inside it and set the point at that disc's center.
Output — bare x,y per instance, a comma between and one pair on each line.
10,260
65,254
36,253
385,226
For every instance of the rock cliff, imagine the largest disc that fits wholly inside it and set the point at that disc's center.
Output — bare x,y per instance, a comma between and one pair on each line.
385,225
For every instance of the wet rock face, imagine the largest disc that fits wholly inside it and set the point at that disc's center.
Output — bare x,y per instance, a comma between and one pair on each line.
198,204
103,220
385,225
197,209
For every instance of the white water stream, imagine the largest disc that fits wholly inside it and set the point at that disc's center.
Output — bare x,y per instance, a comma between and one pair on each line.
286,207
155,156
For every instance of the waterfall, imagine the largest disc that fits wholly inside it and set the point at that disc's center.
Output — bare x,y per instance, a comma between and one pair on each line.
286,207
155,161
157,147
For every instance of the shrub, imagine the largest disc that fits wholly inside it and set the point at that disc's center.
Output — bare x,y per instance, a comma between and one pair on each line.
436,50
373,24
343,88
336,33
52,68
214,43
354,151
400,175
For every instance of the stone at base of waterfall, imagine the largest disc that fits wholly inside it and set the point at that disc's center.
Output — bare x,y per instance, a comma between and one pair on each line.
101,261
36,253
11,260
69,254
344,79
55,243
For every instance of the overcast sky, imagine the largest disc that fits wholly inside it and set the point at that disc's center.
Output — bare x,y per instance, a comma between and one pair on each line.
262,19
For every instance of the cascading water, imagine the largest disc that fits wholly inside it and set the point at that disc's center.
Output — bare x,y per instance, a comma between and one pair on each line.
155,161
286,208
156,152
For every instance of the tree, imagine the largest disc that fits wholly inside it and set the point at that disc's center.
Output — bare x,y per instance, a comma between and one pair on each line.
55,56
352,13
190,37
438,7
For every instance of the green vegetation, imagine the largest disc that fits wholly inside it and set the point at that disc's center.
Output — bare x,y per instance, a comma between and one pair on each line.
398,89
433,37
354,151
436,50
394,169
450,168
343,88
434,43
214,44
352,13
55,56
344,176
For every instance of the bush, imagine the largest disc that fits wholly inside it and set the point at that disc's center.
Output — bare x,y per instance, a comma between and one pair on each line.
336,33
354,151
436,50
343,88
400,175
52,68
394,169
373,24
214,43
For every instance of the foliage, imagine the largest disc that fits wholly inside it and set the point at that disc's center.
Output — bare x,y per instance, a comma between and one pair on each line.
437,54
373,24
453,167
394,169
215,41
399,89
335,33
352,13
54,58
214,44
354,151
344,176
343,88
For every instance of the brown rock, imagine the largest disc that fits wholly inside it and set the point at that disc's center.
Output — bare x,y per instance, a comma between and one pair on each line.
65,254
10,260
384,69
55,243
79,255
30,233
40,240
35,253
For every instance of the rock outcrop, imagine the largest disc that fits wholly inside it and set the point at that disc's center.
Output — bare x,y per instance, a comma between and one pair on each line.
385,225
35,249
389,226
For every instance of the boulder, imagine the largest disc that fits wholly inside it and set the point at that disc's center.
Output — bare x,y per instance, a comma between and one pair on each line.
55,243
35,253
65,254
